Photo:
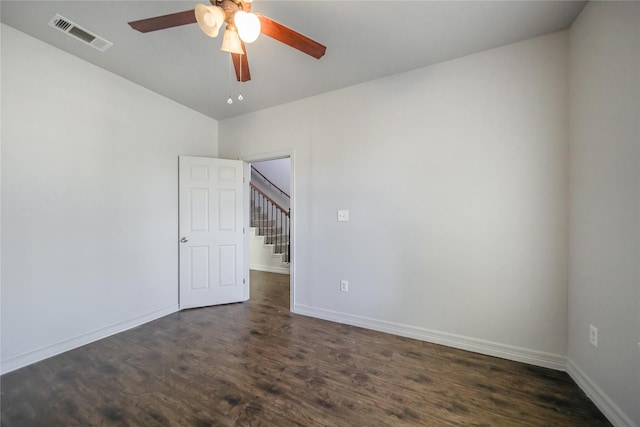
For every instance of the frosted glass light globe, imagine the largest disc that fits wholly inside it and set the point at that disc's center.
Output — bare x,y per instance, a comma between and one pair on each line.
209,19
248,25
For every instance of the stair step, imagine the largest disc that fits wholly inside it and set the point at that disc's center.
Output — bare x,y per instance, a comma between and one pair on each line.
272,238
279,249
270,231
274,241
281,245
264,223
271,235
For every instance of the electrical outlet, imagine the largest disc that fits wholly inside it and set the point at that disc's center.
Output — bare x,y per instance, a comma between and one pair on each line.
344,285
593,335
343,216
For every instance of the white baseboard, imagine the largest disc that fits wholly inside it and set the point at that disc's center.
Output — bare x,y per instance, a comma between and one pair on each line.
610,410
546,360
34,356
269,269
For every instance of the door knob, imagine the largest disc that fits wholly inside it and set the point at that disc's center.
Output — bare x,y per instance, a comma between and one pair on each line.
184,239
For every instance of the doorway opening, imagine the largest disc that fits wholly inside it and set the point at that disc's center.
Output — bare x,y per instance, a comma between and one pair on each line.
271,249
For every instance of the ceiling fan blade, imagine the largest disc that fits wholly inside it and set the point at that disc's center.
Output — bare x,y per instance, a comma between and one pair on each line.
241,64
286,35
164,21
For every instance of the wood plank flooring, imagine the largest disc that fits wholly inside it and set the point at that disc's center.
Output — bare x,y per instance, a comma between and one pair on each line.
256,364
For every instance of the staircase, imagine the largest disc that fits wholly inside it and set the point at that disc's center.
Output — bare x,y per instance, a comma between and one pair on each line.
270,234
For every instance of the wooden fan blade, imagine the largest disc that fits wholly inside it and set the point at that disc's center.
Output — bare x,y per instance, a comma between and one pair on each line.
286,35
164,21
241,64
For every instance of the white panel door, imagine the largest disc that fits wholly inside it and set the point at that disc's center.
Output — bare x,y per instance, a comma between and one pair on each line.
212,239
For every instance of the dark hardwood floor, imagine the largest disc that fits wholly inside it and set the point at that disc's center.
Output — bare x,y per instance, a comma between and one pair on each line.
256,364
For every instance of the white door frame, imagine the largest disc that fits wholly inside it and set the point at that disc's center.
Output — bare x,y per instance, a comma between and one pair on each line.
274,155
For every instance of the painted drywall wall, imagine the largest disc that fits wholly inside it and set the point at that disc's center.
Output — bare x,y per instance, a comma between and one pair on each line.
604,273
455,179
89,199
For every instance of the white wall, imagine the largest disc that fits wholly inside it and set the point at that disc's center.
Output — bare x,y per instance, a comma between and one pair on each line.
89,199
455,178
604,274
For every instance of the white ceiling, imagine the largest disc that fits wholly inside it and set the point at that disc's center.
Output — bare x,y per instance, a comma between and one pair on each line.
365,40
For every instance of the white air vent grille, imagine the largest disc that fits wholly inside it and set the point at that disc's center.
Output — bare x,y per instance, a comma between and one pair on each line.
71,28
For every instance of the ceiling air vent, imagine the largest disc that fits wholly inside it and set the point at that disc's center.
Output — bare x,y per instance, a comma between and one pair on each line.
66,26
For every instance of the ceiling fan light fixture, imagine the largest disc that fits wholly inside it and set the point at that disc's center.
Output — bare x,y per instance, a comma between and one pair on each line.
248,25
210,19
231,42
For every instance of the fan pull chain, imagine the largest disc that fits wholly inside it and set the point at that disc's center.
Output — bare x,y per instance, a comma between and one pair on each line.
240,97
229,100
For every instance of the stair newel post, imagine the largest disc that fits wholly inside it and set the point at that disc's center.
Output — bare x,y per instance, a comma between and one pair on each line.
269,227
253,207
259,218
289,236
273,215
262,214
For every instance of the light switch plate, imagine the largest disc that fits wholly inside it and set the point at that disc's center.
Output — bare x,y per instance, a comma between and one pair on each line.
343,216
